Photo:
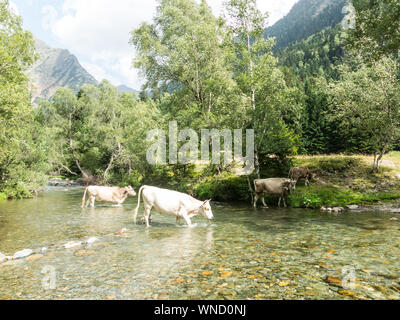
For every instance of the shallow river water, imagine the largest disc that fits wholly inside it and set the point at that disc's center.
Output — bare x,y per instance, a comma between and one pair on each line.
243,254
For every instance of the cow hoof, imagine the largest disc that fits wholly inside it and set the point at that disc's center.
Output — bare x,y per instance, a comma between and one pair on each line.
265,207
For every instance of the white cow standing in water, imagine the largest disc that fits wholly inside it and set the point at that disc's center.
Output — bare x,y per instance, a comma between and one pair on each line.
172,203
114,195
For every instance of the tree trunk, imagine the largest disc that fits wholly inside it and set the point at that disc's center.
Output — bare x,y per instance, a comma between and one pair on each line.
250,190
108,169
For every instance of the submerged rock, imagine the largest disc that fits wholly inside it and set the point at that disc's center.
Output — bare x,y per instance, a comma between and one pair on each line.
3,258
34,257
92,240
22,254
122,231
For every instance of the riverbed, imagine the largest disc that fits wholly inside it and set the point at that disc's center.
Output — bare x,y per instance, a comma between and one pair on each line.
244,253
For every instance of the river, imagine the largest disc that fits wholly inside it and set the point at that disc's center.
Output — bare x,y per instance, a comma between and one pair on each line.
243,254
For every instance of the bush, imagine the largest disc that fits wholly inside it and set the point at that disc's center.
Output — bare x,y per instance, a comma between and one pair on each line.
224,189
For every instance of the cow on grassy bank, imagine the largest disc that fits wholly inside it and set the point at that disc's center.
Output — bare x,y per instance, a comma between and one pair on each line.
171,203
298,173
274,186
114,195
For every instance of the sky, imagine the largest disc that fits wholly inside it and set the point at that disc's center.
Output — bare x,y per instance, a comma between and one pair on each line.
98,31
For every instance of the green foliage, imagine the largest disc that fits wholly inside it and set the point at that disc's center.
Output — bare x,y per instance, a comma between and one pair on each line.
225,189
377,28
22,151
367,100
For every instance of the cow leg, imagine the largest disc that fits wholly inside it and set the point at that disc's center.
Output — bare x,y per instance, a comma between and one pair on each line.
307,182
178,220
147,215
92,200
279,203
284,202
255,200
263,201
182,213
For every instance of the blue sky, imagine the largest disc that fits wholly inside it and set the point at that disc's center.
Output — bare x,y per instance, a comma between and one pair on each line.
97,31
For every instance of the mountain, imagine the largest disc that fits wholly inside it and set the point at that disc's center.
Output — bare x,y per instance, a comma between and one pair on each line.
122,88
56,68
306,18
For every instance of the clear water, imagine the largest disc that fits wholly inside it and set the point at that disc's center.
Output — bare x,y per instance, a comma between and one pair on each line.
243,254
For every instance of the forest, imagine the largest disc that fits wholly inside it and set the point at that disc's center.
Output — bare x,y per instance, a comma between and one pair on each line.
335,92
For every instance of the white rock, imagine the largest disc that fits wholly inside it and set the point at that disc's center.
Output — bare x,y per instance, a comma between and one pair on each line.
44,249
3,258
92,240
22,254
72,244
352,207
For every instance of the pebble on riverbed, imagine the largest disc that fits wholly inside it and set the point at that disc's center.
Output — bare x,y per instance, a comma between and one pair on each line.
3,258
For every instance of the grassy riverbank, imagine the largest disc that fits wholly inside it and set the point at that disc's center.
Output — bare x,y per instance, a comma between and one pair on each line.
341,180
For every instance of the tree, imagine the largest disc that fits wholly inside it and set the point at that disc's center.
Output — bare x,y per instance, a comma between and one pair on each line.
367,101
183,53
98,133
261,82
377,27
22,154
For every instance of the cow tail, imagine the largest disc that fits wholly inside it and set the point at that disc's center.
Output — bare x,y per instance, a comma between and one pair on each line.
84,197
135,213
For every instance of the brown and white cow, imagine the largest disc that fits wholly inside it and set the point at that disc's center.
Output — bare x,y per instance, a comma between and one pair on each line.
114,195
275,186
173,203
301,173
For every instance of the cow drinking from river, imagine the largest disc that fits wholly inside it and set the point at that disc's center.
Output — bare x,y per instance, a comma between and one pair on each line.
276,186
172,203
114,195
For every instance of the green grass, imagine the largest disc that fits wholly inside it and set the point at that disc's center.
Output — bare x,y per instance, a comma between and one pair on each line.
317,197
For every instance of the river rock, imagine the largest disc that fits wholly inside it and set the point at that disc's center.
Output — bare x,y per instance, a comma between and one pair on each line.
3,258
22,254
34,257
352,207
92,240
338,209
72,245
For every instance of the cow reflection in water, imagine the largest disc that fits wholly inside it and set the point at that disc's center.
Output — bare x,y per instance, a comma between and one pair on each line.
166,250
103,219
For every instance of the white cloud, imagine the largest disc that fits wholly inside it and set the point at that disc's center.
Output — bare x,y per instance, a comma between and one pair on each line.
49,17
275,8
99,31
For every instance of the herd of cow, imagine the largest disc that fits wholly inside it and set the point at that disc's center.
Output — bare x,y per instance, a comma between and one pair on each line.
184,206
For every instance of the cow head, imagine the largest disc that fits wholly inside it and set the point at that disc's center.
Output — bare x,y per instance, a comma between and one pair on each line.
290,185
206,211
130,191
